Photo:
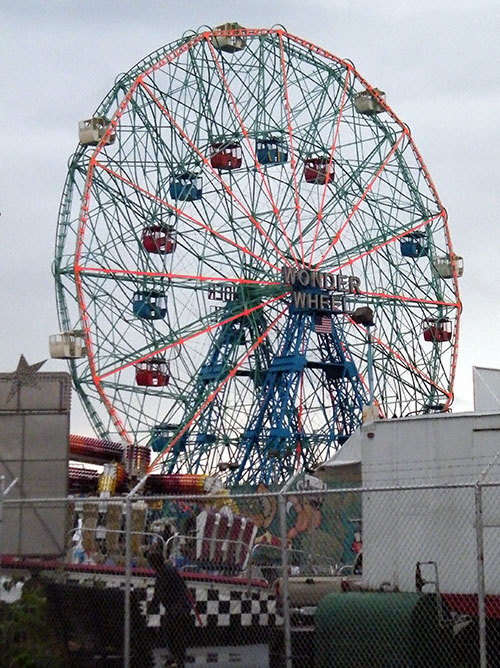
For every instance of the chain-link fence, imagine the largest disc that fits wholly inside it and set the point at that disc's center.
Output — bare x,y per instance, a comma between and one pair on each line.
308,576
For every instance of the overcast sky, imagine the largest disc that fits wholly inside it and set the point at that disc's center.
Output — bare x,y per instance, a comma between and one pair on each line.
437,61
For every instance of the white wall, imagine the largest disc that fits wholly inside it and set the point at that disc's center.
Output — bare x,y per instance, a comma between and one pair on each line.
403,527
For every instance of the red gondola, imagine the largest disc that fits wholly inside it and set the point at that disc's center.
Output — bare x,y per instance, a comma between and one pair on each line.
316,170
226,156
152,373
437,330
159,239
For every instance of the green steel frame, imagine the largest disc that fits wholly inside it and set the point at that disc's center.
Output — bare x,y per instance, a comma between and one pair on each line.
168,112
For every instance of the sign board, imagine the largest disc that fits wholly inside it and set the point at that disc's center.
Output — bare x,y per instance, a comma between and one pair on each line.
242,656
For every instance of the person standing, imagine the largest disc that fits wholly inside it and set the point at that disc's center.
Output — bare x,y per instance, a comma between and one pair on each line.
171,591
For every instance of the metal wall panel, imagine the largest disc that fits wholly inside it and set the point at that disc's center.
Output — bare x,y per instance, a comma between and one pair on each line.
34,447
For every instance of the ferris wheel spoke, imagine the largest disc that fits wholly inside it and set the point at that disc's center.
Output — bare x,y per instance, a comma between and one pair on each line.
315,102
376,244
187,278
108,296
193,241
183,215
177,340
100,390
389,351
217,176
186,241
361,199
213,395
292,152
334,144
406,354
258,167
381,212
378,297
192,331
109,340
349,259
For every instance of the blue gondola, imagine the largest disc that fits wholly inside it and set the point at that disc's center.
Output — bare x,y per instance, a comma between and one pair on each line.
270,151
158,440
412,245
161,435
149,305
186,186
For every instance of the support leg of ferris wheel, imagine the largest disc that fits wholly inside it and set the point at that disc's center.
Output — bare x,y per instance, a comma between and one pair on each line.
275,443
270,439
344,384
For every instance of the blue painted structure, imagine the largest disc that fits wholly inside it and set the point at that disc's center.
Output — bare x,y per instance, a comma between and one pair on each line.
274,444
218,363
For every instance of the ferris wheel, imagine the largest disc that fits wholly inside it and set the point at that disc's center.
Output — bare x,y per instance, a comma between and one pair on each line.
250,250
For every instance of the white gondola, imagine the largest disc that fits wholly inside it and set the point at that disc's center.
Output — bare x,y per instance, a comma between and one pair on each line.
229,43
442,267
92,130
67,346
367,104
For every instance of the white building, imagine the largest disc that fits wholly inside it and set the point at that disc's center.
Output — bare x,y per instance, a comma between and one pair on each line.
441,456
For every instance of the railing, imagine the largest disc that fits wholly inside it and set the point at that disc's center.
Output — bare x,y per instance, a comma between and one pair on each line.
300,563
222,555
90,545
97,543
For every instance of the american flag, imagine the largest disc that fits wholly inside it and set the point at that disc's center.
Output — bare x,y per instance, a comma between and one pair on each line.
323,324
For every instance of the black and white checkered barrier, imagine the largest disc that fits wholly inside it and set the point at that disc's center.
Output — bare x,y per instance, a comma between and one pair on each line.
224,605
217,604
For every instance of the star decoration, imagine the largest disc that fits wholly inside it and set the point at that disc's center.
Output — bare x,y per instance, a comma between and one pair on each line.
25,374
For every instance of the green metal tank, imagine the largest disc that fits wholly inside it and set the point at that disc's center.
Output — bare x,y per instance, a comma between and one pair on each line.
383,629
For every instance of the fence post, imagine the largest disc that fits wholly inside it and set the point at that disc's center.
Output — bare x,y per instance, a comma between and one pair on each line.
128,580
285,591
478,503
2,494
